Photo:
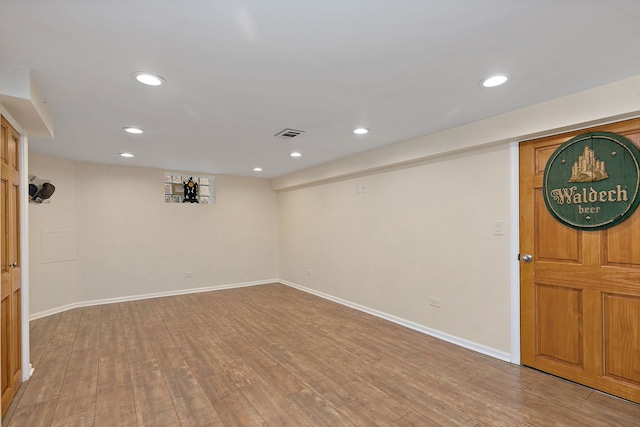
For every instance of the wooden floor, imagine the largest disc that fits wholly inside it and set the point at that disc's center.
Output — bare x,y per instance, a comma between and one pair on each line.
272,355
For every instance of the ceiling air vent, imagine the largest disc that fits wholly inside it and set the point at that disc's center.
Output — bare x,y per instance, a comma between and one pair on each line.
289,133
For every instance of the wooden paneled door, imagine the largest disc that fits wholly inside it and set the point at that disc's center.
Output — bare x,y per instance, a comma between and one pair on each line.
10,254
580,293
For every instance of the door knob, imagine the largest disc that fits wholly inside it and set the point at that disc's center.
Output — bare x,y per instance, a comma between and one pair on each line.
526,258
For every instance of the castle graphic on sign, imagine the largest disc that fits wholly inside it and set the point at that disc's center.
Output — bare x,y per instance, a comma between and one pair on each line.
587,168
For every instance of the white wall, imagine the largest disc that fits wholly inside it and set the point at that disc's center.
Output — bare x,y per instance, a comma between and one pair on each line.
424,227
130,242
420,232
52,284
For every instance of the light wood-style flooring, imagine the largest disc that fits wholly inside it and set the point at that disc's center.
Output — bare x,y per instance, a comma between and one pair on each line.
272,355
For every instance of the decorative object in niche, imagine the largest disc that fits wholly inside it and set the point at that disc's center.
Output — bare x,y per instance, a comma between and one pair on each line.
180,188
40,190
190,191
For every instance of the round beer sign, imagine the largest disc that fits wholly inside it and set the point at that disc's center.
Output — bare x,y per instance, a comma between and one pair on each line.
591,182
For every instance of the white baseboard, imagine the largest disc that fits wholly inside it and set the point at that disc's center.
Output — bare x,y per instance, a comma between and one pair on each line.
501,355
479,348
60,309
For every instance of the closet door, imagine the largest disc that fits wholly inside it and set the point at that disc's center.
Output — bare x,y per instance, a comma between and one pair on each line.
10,256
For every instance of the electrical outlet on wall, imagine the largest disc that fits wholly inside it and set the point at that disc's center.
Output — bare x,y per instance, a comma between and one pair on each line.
189,275
361,188
434,302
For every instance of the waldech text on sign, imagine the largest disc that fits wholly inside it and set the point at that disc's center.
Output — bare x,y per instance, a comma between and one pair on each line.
591,182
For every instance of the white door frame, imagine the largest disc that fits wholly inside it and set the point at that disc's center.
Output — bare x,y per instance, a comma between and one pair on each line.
24,255
514,249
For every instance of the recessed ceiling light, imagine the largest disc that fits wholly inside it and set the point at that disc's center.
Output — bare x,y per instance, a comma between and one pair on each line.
149,79
494,81
133,130
296,154
126,155
257,169
361,131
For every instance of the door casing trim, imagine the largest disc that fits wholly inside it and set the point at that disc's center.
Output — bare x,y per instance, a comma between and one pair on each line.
514,249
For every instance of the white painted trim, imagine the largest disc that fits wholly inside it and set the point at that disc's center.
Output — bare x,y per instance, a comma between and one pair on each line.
24,257
60,309
501,355
408,324
514,264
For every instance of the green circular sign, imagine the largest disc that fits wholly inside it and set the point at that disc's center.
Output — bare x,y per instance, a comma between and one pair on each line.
591,182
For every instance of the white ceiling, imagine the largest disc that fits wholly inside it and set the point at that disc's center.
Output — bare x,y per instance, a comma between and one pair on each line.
239,71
